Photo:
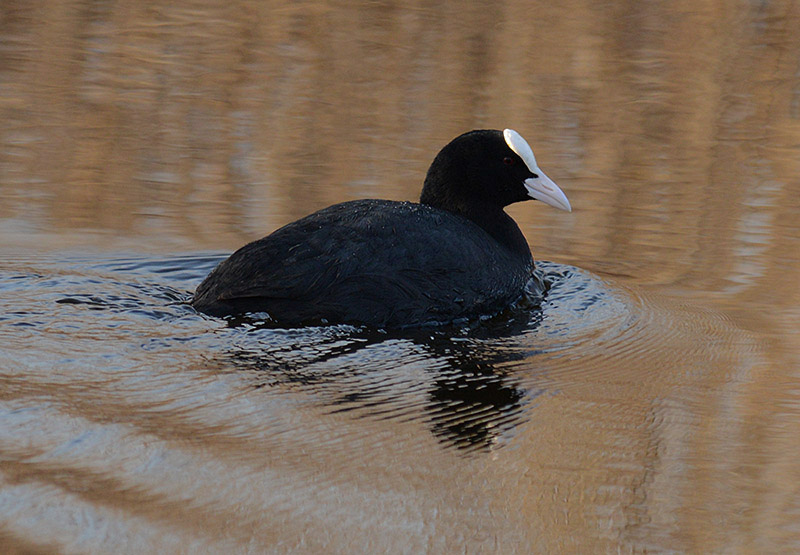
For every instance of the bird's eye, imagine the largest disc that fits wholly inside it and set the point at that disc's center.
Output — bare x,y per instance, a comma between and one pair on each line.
508,160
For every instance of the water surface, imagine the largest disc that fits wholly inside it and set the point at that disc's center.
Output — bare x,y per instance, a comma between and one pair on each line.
651,402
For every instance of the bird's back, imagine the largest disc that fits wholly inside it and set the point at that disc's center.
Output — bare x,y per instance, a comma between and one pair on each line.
372,262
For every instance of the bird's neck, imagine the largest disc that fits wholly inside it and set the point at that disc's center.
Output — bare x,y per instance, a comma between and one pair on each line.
492,219
502,228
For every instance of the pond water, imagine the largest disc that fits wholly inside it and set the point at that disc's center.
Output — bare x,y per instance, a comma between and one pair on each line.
650,402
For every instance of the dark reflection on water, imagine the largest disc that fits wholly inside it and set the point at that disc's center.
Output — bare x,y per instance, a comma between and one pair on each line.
468,401
472,403
464,398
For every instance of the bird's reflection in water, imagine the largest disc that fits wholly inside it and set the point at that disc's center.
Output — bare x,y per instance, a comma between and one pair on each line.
457,380
472,403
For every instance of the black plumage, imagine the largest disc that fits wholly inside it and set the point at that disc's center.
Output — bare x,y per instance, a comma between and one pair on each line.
454,255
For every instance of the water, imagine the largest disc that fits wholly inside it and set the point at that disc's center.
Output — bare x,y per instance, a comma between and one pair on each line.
650,403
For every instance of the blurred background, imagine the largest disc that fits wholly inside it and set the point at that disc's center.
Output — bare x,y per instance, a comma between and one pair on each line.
673,127
177,128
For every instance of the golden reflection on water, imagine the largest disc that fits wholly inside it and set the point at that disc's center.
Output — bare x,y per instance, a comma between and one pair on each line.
674,128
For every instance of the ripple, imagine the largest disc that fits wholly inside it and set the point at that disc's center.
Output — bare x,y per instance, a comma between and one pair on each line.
459,379
472,385
119,402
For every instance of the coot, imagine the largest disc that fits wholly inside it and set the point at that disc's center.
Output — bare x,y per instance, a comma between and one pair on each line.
454,255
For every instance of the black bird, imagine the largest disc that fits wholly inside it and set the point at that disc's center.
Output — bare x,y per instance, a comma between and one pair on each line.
454,255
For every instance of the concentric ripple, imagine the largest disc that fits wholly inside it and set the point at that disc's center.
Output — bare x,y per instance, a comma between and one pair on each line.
472,384
118,401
